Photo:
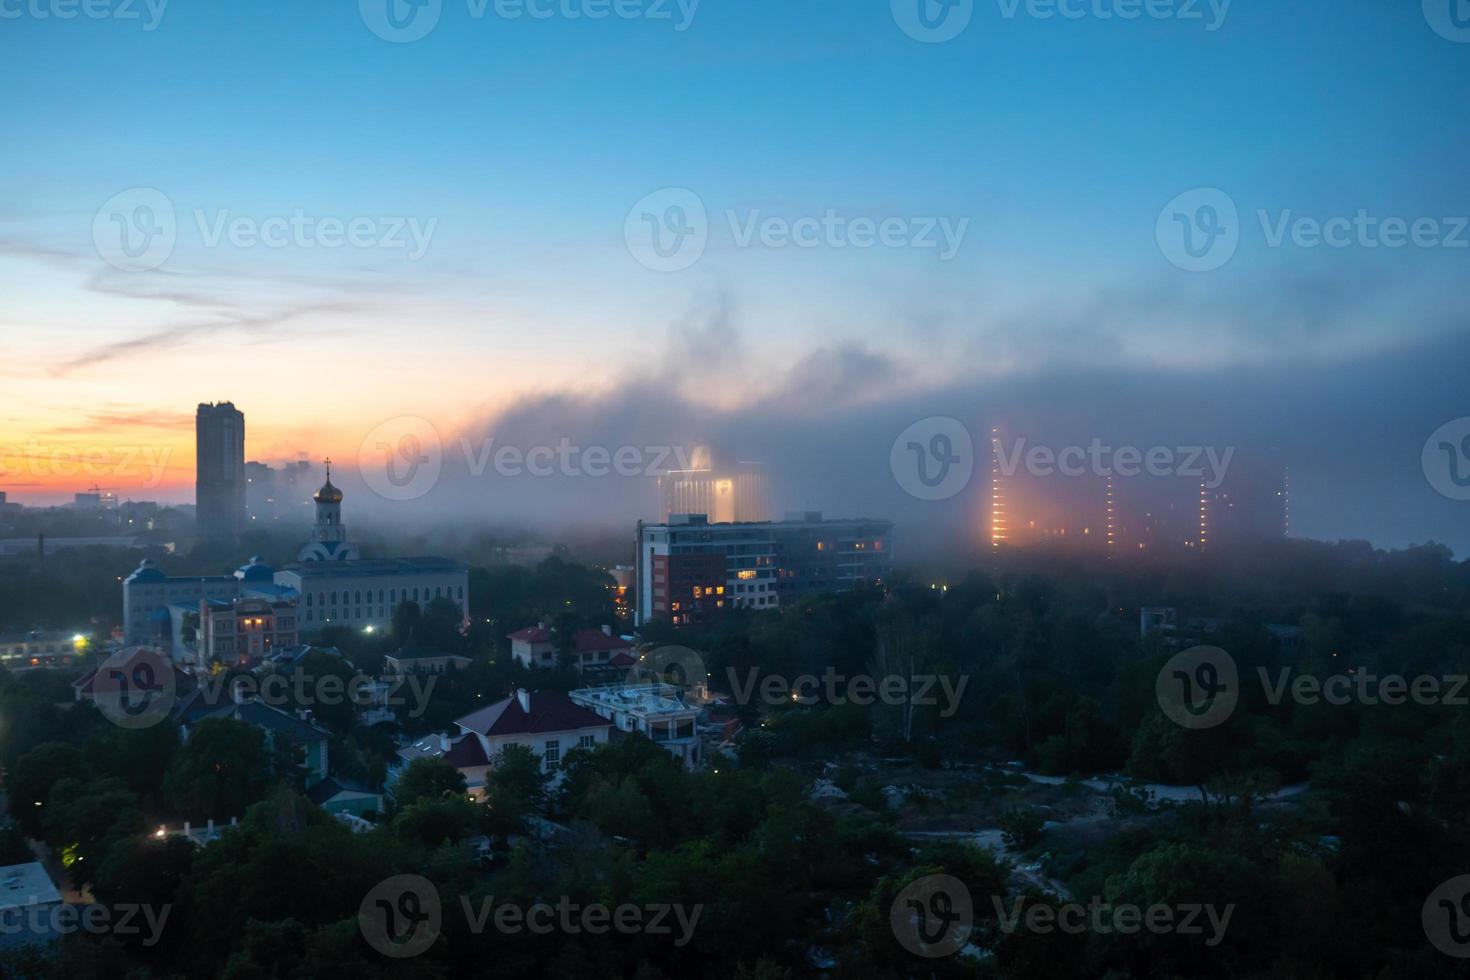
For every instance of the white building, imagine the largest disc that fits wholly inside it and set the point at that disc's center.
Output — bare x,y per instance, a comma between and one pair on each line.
332,584
655,711
549,724
41,648
534,646
599,650
28,903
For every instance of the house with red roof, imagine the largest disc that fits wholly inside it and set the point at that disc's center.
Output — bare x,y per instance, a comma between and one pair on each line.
603,650
534,646
595,650
547,723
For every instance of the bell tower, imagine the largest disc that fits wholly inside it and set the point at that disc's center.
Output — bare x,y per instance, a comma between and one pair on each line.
328,536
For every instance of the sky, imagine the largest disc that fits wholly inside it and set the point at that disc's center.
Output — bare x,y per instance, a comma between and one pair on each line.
796,228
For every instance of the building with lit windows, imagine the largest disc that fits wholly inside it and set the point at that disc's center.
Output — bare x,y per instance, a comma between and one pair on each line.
731,492
689,570
41,648
238,630
332,586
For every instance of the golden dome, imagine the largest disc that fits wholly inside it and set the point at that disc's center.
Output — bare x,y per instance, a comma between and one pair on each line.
328,494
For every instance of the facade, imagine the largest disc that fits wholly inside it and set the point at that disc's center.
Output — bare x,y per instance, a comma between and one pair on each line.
41,648
655,711
534,646
592,650
420,661
332,586
727,494
549,724
149,594
219,478
690,570
235,630
602,650
364,593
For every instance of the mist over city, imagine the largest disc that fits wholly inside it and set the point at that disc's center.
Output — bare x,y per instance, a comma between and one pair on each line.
692,490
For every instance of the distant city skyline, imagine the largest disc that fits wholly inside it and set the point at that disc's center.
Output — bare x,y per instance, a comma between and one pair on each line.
860,228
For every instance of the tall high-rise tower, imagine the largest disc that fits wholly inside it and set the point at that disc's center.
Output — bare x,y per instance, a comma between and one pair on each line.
219,474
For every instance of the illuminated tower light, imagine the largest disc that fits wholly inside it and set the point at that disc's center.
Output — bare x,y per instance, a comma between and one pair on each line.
1204,533
997,497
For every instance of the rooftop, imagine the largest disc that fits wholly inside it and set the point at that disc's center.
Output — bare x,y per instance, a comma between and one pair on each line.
273,719
529,713
591,641
24,885
373,566
640,699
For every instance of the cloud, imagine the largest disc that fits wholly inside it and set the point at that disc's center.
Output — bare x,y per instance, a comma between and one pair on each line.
125,418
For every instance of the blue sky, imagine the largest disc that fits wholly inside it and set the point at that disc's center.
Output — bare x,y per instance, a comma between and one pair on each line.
526,142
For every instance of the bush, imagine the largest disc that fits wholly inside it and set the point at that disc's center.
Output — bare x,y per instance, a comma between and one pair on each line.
1020,828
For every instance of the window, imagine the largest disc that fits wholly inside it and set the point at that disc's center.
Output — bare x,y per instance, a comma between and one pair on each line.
552,753
587,742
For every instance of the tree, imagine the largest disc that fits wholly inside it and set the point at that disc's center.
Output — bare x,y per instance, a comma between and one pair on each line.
222,769
428,780
435,822
85,820
338,712
406,616
28,784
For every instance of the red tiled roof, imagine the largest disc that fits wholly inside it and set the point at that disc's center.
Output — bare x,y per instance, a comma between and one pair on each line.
591,641
532,634
623,660
466,752
549,713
